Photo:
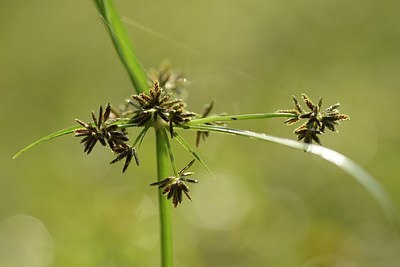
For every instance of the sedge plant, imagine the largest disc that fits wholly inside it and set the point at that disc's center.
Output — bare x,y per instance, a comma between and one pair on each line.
156,106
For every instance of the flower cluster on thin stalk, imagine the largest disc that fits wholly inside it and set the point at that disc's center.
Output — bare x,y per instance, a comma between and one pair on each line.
174,186
157,108
317,120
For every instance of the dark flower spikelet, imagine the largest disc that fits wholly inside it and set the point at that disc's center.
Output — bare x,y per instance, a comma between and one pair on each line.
127,152
317,119
101,130
108,134
175,186
159,104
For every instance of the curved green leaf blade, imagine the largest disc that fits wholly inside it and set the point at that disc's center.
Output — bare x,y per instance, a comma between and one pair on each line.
47,138
122,43
341,161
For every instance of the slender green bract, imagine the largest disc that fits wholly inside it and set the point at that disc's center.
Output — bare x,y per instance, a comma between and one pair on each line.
122,44
188,147
121,123
163,167
47,138
341,161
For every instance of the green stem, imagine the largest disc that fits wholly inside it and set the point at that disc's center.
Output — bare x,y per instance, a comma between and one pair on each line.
239,117
122,44
163,170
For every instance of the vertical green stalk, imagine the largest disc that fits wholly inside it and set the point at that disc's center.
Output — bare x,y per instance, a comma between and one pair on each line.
122,44
138,76
163,167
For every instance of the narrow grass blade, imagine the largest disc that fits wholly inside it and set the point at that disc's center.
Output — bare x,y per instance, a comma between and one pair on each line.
47,138
341,161
186,145
122,43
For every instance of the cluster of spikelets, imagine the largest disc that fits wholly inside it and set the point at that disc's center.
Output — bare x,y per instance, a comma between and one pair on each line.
158,104
174,186
149,110
104,130
316,119
157,108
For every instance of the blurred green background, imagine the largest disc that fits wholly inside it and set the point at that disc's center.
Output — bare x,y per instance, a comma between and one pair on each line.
269,205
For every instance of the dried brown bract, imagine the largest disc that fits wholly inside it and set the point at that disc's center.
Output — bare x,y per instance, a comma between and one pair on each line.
317,119
174,187
100,130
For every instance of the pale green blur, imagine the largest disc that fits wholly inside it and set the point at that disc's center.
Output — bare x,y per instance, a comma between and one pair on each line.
268,205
